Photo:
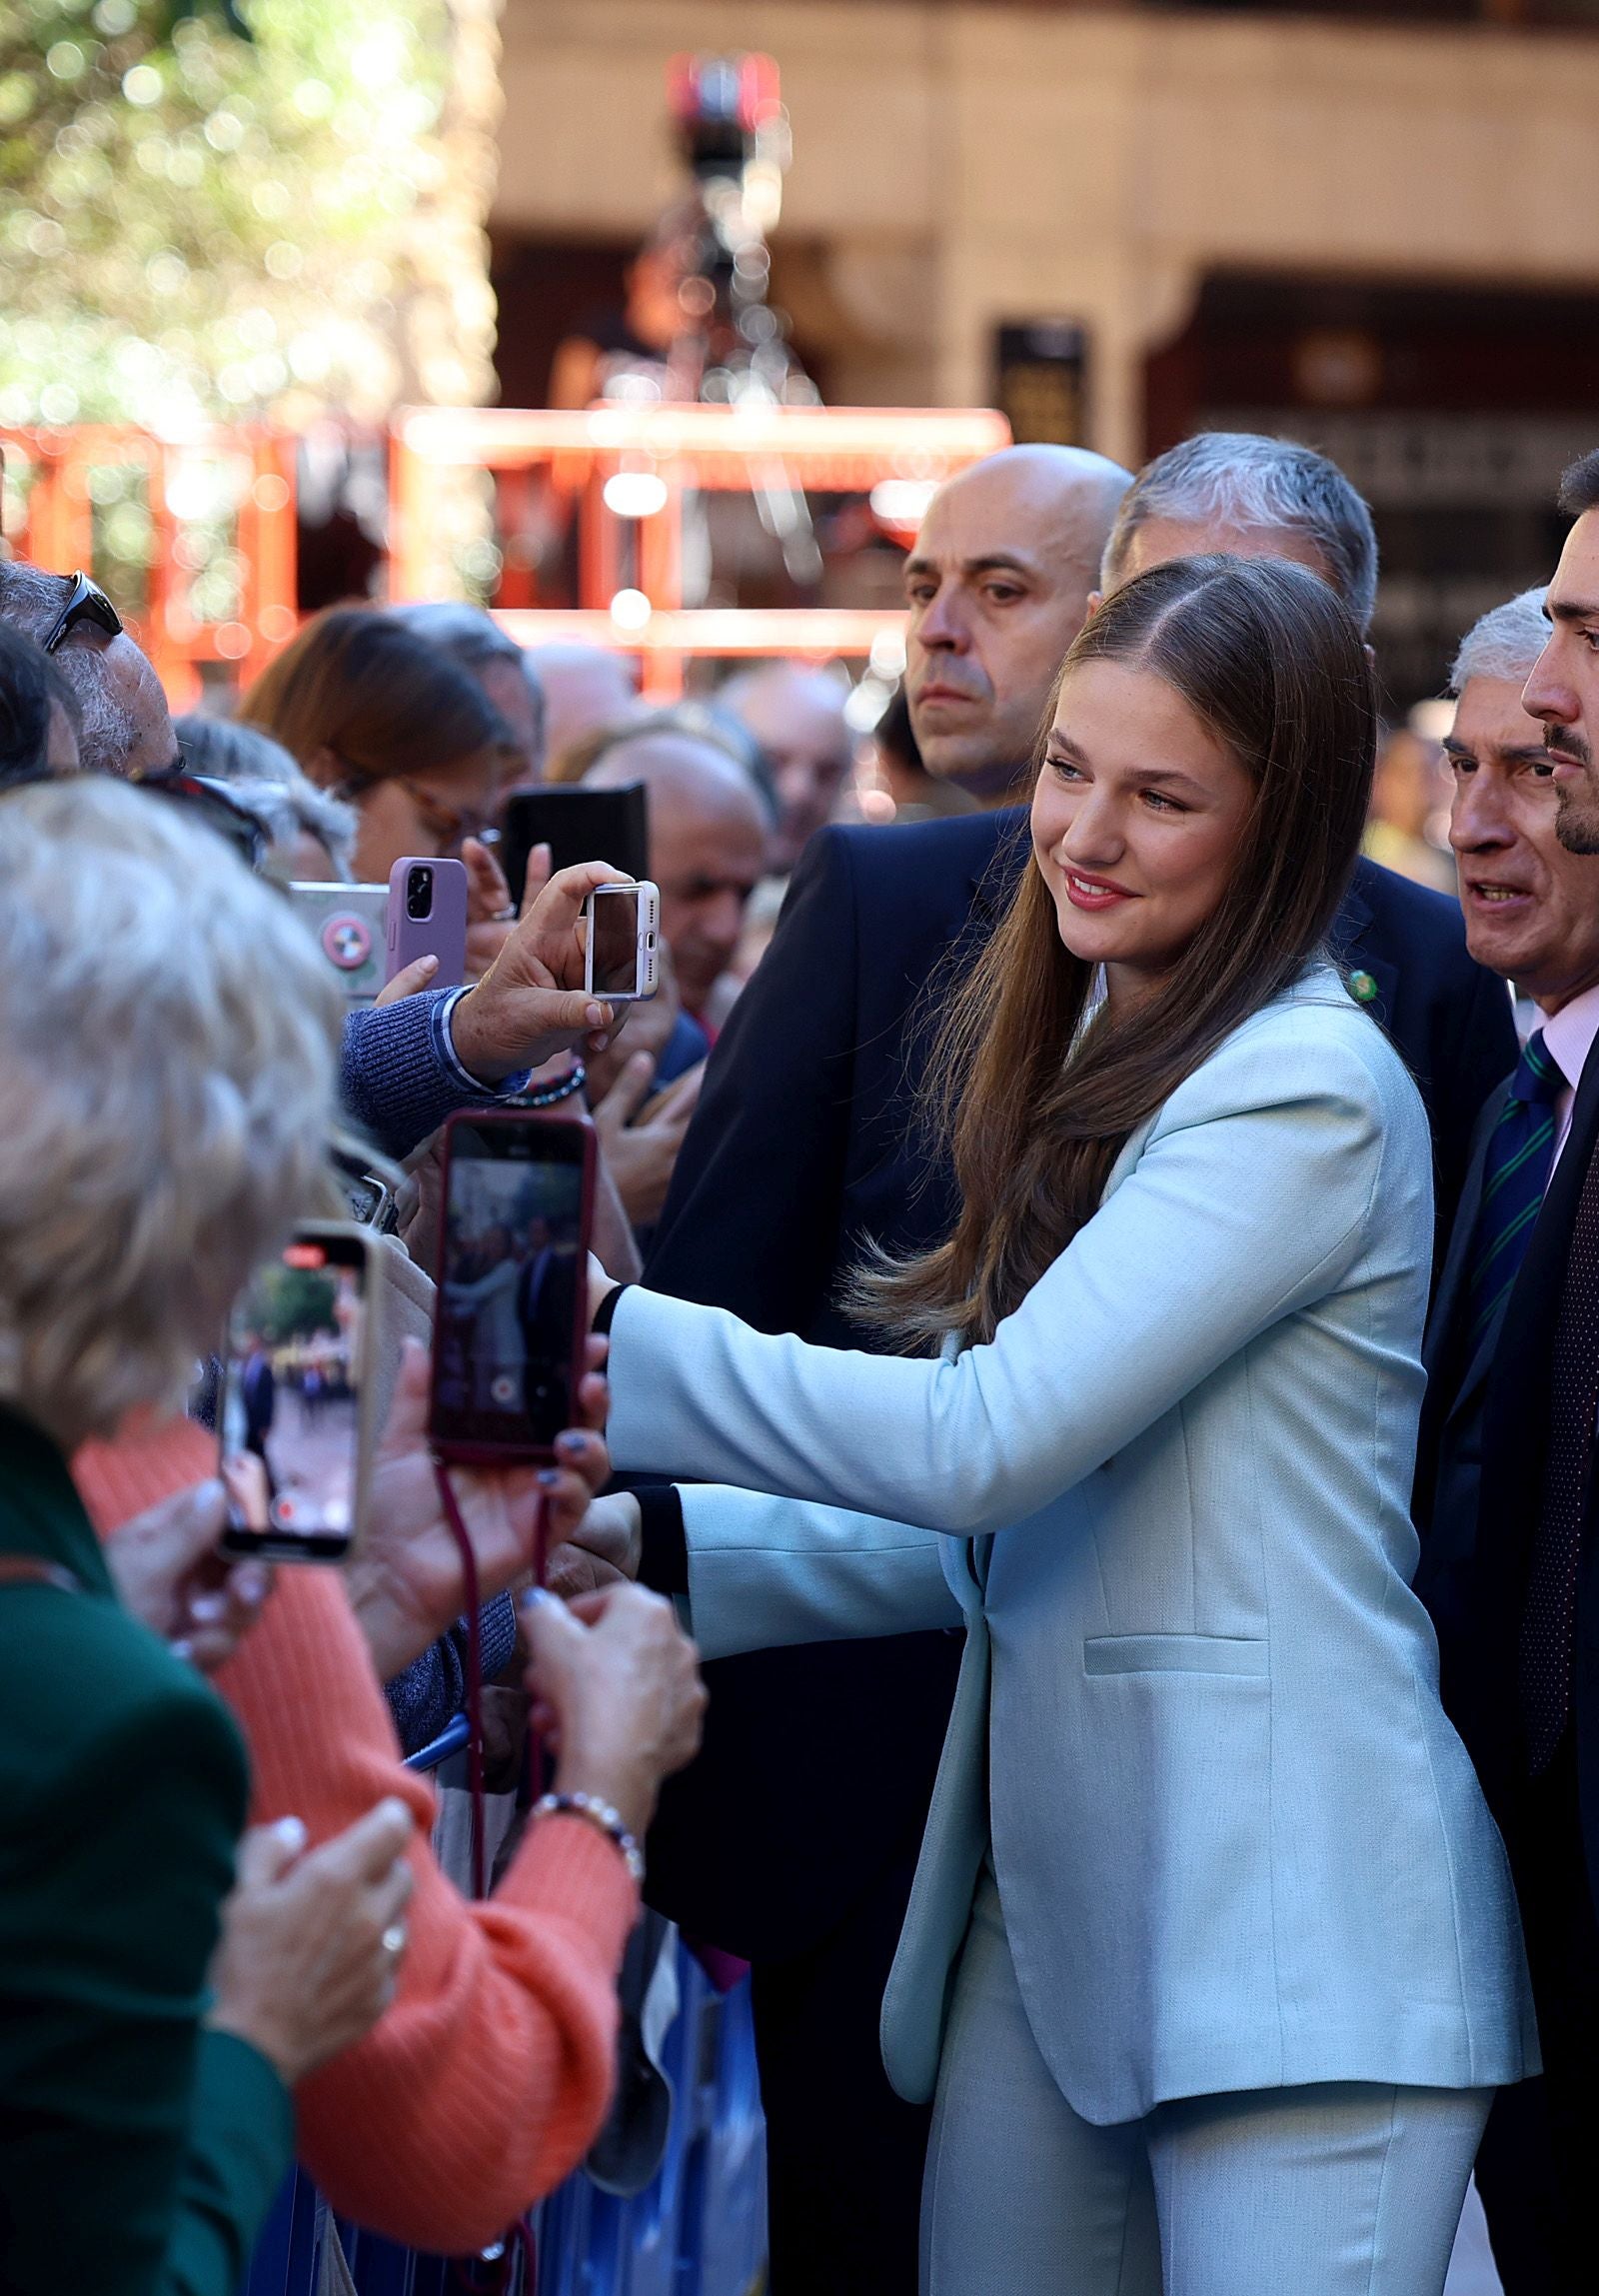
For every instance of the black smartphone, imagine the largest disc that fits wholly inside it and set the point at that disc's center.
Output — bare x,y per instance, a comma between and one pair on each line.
296,1407
576,825
512,1316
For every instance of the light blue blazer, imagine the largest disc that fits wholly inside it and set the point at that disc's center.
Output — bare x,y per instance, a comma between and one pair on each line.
1238,1846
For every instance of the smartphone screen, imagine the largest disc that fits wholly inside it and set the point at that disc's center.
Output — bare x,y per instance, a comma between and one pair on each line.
290,1417
615,926
512,1281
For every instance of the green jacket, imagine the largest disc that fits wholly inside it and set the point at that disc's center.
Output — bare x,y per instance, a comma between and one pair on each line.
138,2151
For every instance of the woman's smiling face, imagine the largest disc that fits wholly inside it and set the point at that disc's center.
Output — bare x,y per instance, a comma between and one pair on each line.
1136,818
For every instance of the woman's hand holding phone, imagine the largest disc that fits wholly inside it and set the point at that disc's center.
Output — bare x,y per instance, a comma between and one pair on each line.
530,1003
168,1573
405,1583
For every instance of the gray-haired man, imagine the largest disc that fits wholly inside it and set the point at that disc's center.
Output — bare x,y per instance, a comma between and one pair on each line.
1245,496
1532,914
500,666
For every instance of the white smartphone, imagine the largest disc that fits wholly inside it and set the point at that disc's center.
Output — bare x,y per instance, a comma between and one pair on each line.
621,947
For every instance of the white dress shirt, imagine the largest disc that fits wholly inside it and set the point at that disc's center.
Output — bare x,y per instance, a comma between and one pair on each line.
1568,1040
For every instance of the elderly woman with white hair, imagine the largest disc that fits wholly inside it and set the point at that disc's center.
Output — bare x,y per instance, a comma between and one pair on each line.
168,1050
162,1125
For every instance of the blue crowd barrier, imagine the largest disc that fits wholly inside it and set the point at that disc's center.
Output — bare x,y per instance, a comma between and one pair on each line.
698,2229
452,1740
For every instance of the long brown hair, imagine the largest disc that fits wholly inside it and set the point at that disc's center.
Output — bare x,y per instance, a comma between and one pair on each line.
1033,1106
383,702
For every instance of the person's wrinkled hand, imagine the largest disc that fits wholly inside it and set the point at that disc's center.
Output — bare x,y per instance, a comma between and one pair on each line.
640,1137
312,1941
491,913
404,1580
168,1573
650,1026
616,1695
605,1549
419,1203
530,1003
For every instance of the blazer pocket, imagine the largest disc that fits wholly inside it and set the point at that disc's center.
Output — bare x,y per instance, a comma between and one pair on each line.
1173,1654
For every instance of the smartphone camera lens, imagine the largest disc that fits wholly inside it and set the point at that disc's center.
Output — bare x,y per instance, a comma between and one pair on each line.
419,893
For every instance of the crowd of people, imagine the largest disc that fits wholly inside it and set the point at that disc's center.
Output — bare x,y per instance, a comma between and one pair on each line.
1095,1336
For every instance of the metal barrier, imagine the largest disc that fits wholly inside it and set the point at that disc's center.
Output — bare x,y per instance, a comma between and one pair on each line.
700,2229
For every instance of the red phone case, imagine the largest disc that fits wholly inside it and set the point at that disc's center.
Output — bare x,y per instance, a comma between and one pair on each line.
446,1445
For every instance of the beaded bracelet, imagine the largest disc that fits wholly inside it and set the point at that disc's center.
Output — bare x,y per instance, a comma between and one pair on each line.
598,1814
549,1096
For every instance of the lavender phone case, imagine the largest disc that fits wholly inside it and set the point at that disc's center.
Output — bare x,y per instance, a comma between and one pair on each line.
442,933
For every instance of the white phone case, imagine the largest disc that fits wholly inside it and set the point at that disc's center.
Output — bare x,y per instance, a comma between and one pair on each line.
646,948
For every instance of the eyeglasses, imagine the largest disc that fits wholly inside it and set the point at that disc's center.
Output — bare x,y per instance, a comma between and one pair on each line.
87,603
450,824
215,804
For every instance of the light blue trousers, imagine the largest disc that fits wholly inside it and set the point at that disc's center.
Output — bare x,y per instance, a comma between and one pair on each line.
1346,2190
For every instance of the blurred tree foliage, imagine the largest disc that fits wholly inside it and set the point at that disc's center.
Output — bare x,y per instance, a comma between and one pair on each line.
268,208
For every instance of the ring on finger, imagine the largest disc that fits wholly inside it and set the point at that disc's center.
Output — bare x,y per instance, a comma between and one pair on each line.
506,915
393,1940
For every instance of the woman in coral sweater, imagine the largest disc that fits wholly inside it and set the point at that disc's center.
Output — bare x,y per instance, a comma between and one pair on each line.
488,2079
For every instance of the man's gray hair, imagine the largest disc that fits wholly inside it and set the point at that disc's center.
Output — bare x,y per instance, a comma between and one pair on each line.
168,1039
464,631
472,639
30,599
263,777
1240,479
1505,644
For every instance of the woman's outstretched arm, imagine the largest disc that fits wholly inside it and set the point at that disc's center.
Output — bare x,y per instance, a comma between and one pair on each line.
1250,1198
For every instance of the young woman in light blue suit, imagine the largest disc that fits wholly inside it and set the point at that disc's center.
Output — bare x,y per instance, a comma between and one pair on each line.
1212,1957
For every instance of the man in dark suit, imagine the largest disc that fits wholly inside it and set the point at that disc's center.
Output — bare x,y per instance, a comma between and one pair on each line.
793,1839
1532,915
1519,1620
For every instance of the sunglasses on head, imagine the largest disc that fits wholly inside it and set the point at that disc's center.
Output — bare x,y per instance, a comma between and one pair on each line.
215,804
87,601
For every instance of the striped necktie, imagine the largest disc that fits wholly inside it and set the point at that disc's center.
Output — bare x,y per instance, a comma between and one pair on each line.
1521,1154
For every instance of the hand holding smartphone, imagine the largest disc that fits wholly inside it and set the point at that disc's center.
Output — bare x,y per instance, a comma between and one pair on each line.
518,1209
296,1412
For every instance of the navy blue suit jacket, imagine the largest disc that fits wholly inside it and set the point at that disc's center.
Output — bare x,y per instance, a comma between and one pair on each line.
1481,1628
818,1762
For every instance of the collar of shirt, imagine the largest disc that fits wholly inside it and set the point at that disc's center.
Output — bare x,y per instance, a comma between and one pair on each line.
1568,1038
